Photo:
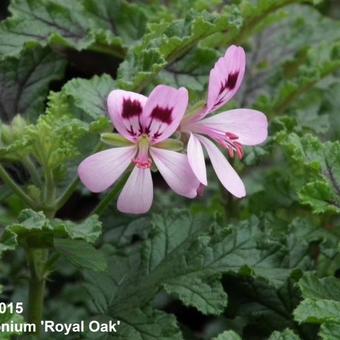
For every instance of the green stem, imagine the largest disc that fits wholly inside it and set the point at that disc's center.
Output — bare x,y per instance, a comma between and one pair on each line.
49,186
67,193
8,180
32,170
110,196
37,260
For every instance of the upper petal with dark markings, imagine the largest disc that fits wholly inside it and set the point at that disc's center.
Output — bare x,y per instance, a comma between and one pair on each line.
225,78
163,112
125,110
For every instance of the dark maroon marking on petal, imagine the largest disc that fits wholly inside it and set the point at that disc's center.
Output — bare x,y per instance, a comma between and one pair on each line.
140,126
131,131
163,114
157,135
230,82
131,108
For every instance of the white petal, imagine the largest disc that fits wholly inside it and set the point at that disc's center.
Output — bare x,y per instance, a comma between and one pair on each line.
196,159
101,170
137,194
175,169
250,126
224,171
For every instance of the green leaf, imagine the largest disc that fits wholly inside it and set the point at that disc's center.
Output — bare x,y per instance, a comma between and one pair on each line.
166,42
319,62
263,307
208,298
191,71
230,250
228,335
79,26
34,229
90,95
81,254
319,163
127,20
286,78
57,138
332,101
24,82
89,230
185,256
10,318
321,304
317,311
54,138
267,304
148,325
329,331
8,242
287,334
314,288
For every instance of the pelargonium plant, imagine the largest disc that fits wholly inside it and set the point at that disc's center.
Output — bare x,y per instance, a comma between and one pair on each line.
169,169
146,125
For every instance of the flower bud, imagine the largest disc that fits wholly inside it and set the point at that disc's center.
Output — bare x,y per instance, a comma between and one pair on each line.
9,133
5,134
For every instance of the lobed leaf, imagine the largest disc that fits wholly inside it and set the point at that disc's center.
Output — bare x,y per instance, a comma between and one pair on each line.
287,334
228,335
82,25
90,95
321,304
35,230
207,297
81,254
24,82
185,257
318,162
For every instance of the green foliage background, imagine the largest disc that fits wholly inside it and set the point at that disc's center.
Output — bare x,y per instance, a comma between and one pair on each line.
264,267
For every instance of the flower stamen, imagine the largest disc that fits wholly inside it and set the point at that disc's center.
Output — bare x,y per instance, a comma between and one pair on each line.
143,161
229,142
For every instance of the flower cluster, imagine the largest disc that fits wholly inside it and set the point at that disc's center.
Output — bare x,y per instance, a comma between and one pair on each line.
145,125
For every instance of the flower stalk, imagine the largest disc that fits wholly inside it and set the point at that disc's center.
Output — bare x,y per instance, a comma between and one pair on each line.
37,259
7,179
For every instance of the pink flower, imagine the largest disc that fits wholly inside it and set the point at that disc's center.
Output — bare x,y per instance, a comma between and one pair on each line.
230,129
145,123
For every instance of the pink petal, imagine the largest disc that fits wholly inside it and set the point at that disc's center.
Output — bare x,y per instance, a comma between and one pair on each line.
137,194
125,110
196,159
163,111
175,169
224,171
225,78
101,170
250,126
